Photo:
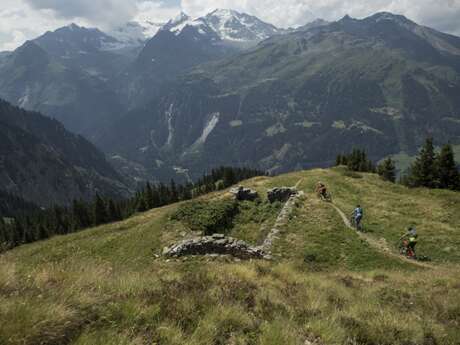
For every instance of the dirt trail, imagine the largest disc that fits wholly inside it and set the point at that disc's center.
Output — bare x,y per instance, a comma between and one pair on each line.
380,245
298,183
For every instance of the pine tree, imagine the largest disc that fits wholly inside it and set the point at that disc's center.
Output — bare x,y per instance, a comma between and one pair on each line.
228,178
114,212
81,218
59,223
338,160
424,170
141,204
42,232
100,211
387,170
3,230
174,194
149,196
449,177
18,233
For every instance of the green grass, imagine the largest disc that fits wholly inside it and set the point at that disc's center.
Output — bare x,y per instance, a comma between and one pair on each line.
207,217
326,285
316,239
254,220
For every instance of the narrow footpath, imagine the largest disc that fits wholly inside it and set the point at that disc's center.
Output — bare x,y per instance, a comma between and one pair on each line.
381,245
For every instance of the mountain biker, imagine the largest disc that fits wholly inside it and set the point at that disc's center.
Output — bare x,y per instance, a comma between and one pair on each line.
358,216
411,237
321,189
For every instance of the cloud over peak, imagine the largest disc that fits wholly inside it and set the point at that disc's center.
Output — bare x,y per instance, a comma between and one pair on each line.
26,19
94,11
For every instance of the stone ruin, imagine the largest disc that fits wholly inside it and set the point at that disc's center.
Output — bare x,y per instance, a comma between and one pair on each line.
281,194
242,194
220,245
215,244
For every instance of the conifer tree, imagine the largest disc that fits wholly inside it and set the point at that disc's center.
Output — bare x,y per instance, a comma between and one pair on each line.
174,193
149,196
114,211
42,232
3,230
228,177
18,233
387,170
58,221
448,175
424,170
141,204
100,211
80,215
338,160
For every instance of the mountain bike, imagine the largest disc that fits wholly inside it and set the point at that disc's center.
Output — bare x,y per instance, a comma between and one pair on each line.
326,196
405,249
355,225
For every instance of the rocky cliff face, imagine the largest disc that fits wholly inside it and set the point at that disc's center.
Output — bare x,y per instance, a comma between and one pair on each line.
42,162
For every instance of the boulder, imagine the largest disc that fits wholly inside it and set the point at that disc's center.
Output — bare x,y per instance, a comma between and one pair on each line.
242,194
281,194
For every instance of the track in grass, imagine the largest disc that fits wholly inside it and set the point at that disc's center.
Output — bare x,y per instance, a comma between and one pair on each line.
381,246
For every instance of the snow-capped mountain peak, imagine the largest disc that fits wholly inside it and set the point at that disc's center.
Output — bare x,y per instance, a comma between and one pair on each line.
178,23
136,33
228,25
179,19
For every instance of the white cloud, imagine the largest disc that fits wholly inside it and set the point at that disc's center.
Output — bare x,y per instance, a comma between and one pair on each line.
26,19
19,22
441,14
105,12
155,11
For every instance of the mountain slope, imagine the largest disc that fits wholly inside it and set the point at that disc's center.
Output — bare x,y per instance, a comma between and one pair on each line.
65,74
185,42
297,100
106,286
44,163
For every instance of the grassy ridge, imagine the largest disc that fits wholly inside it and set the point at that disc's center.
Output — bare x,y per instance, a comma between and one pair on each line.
327,286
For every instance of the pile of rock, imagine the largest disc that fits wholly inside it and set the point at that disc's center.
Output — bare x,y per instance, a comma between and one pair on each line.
242,193
281,194
215,244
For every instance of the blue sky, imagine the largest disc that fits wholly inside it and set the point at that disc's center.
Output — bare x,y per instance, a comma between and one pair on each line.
25,19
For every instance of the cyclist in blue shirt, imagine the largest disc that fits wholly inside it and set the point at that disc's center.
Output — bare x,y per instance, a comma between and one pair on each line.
358,216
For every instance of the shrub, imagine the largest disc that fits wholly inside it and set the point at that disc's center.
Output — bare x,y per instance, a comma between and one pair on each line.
209,217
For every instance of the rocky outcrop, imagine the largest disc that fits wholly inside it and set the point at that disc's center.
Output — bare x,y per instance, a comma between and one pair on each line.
242,194
215,244
281,194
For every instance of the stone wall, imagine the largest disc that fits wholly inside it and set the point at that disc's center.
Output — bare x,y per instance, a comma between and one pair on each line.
215,244
281,194
243,194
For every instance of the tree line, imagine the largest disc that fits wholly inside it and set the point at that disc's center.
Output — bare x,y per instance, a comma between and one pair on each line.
431,169
38,224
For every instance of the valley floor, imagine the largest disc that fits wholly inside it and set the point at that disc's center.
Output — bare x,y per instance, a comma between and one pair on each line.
325,285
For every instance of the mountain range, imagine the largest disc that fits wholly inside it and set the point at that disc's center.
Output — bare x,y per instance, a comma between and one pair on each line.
296,100
228,88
